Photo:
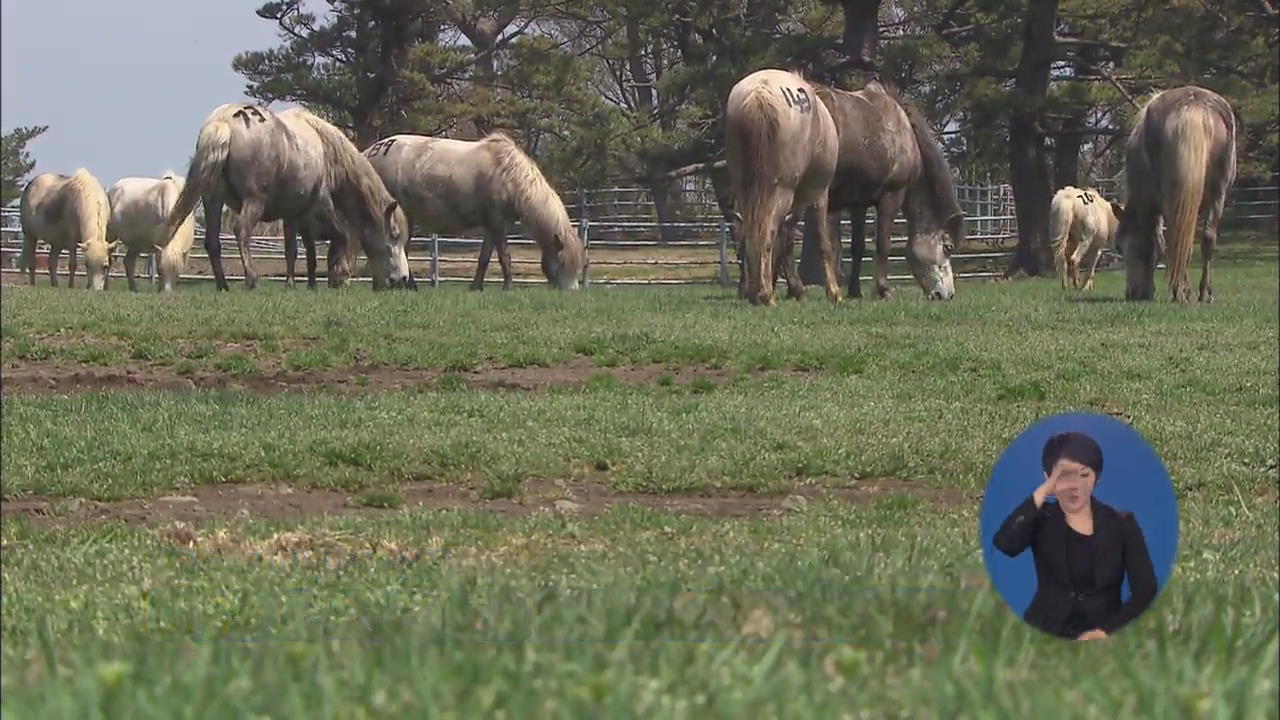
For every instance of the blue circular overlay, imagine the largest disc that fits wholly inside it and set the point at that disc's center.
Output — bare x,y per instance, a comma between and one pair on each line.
1133,479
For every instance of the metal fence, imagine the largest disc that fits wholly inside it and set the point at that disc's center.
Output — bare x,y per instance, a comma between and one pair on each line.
628,246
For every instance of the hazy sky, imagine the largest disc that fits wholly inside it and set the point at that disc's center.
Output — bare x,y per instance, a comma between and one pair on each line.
123,86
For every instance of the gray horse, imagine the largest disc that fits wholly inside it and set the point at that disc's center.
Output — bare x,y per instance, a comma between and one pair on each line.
889,159
1179,163
291,166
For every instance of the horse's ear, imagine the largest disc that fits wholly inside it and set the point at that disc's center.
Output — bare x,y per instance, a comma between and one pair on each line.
114,245
955,223
1117,208
737,216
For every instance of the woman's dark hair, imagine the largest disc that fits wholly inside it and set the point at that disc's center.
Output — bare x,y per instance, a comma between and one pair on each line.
1075,446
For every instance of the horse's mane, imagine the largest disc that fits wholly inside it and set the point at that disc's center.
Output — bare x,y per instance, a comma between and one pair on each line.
94,210
539,204
348,169
936,170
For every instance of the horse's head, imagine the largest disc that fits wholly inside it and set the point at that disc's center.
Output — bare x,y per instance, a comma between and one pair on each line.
929,258
388,263
564,257
97,261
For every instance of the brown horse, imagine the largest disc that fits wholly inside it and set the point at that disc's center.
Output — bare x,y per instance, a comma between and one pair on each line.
1179,164
781,147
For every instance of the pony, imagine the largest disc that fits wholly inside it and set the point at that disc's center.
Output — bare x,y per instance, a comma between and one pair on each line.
781,152
1180,162
139,210
1081,224
69,213
451,186
290,165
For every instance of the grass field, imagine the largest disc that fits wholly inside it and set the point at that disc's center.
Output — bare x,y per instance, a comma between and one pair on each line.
531,597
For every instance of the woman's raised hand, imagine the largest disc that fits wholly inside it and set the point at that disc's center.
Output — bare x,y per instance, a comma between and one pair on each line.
1046,489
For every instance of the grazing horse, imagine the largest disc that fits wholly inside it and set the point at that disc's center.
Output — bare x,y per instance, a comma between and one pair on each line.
890,159
290,165
451,186
139,210
68,213
1180,162
781,150
1081,224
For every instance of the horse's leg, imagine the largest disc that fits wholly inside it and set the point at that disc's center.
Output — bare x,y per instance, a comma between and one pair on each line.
130,265
857,246
830,249
72,254
28,262
213,240
1091,260
290,251
482,263
309,244
784,260
246,220
1084,250
1216,197
818,214
886,210
504,257
55,255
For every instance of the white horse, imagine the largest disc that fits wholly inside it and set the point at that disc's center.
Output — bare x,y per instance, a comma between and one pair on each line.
139,209
451,186
68,213
1082,224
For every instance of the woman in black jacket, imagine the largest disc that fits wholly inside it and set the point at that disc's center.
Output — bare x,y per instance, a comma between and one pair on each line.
1083,548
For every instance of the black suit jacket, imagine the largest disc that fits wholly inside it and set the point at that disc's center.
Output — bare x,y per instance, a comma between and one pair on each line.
1119,550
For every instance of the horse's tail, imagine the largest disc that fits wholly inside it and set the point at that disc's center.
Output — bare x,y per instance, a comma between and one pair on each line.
205,171
1060,218
752,137
1184,161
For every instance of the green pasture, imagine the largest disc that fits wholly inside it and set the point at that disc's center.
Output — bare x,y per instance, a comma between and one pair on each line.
878,609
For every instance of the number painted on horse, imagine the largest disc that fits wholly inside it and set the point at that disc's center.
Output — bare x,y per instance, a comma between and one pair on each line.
797,98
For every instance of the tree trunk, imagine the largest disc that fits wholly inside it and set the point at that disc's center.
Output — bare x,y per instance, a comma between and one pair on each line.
1066,153
861,29
1066,145
1028,166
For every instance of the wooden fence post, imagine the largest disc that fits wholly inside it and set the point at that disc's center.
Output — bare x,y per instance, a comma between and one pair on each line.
584,233
435,260
724,253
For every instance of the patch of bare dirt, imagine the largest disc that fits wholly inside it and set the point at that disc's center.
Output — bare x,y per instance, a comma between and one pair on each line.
59,377
587,498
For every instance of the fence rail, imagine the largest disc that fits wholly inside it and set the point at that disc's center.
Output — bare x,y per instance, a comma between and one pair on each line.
628,246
